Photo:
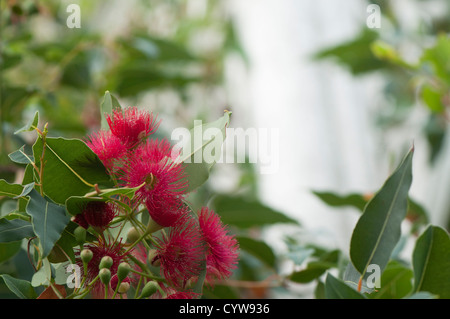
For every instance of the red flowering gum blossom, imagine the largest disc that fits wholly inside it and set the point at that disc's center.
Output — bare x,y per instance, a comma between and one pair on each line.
132,125
166,213
181,252
108,147
151,164
96,214
222,253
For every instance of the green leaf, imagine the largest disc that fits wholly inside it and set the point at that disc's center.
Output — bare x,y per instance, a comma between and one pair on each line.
438,57
396,282
48,219
13,230
258,249
356,200
71,168
31,126
21,157
109,104
355,54
201,150
431,262
10,190
379,228
245,213
8,250
433,98
21,288
316,268
337,289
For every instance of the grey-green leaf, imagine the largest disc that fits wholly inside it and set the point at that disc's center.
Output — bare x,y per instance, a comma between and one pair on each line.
48,219
337,289
30,126
109,104
202,150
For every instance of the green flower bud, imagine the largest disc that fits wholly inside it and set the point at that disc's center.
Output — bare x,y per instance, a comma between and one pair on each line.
106,262
86,255
153,258
123,287
133,235
149,289
123,271
80,235
105,275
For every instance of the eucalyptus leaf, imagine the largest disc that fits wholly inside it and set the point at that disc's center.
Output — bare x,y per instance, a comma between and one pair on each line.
70,169
30,126
378,230
337,289
48,219
201,149
21,288
13,230
431,262
258,249
108,105
245,213
21,157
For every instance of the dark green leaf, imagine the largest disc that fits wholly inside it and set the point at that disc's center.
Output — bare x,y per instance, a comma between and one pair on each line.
431,262
10,190
21,288
13,230
248,213
258,249
379,228
8,250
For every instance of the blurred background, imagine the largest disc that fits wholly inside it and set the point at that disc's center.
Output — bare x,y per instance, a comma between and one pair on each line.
345,87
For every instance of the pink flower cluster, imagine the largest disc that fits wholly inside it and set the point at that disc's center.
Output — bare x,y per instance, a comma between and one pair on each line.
191,242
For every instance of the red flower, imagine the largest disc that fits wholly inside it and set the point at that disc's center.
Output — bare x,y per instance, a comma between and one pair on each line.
108,147
181,252
222,253
166,213
172,293
132,125
96,214
151,163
